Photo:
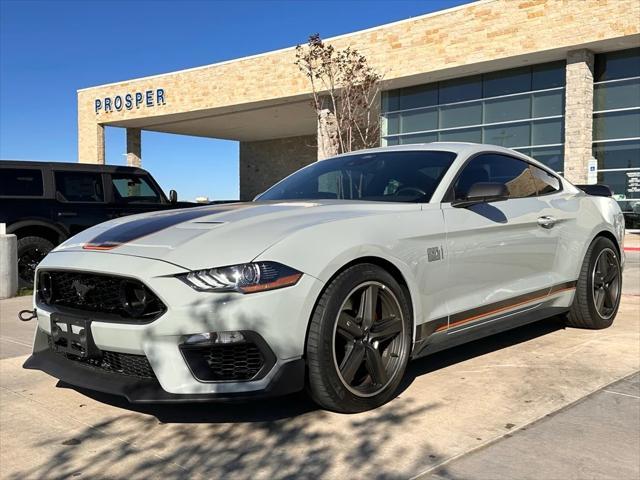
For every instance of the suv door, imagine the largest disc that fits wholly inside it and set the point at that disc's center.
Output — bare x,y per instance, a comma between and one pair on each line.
134,193
80,200
497,251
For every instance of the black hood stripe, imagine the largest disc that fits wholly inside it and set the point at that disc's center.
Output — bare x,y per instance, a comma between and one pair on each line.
126,232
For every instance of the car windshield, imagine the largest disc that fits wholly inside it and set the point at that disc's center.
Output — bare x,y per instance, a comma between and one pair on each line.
395,176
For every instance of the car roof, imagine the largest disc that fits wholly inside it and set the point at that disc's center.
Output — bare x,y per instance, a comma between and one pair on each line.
73,166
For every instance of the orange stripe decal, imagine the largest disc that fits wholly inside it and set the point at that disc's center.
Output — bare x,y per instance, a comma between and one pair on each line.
504,308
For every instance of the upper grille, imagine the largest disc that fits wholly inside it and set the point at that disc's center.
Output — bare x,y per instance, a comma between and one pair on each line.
125,297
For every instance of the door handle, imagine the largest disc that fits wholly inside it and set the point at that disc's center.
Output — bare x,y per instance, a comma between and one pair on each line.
67,214
546,221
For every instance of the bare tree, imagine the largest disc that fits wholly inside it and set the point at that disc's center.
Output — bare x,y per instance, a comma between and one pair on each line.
344,95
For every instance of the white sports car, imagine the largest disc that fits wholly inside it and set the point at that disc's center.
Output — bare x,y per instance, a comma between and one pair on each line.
333,278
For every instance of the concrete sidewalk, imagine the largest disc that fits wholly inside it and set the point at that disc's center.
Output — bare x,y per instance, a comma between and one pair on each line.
597,437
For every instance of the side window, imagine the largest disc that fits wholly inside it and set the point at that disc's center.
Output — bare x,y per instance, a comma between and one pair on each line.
133,189
490,167
21,182
80,186
544,182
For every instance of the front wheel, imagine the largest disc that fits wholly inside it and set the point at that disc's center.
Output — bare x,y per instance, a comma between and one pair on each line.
359,340
599,287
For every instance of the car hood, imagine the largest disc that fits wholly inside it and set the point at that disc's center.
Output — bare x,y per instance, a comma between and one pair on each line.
217,235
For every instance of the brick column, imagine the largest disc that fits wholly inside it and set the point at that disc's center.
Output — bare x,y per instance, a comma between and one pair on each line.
134,147
90,142
578,120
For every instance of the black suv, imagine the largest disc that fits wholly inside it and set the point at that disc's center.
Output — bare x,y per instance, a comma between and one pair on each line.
44,203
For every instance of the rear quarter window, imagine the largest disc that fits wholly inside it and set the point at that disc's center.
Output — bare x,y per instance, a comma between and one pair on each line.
21,182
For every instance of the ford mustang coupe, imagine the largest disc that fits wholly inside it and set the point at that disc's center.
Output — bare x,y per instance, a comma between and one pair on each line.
331,280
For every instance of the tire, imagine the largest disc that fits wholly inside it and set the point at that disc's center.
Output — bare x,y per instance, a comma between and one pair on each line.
382,339
31,251
584,312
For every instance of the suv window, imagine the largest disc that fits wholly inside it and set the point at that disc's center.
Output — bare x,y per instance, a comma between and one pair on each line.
544,182
80,186
133,188
21,182
491,167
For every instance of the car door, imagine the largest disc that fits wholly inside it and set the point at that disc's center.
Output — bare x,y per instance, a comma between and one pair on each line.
497,252
134,193
80,200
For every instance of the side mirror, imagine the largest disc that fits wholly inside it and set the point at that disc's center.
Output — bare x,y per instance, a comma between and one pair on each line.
173,196
483,192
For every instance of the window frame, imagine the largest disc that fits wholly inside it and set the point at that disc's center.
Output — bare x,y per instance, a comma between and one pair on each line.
62,199
449,195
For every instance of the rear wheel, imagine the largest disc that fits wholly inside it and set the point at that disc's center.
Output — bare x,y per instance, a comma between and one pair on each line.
31,251
359,340
599,287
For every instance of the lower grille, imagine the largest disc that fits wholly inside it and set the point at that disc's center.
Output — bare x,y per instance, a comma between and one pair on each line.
116,362
227,362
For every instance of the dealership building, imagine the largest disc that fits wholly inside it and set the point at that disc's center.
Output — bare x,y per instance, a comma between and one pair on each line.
556,79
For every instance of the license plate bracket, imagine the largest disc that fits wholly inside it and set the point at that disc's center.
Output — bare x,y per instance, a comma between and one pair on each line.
72,335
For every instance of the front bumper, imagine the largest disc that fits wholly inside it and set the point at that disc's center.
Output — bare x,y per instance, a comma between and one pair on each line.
278,317
289,378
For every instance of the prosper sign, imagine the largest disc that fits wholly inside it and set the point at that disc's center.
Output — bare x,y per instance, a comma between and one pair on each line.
129,101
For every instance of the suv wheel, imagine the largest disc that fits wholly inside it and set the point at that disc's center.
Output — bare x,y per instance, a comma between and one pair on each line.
359,340
31,251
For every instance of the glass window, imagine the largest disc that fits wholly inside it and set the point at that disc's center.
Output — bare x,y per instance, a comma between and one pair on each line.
624,94
547,132
419,138
508,108
514,173
391,100
552,157
391,141
617,154
391,124
80,186
418,96
625,184
607,126
417,120
460,115
506,82
463,135
133,189
511,135
544,182
461,89
23,182
387,177
548,75
548,104
620,64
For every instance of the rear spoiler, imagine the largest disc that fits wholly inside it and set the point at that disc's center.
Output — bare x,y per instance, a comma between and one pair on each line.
597,190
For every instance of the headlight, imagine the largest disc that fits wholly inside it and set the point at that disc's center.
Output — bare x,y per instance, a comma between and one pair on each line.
245,278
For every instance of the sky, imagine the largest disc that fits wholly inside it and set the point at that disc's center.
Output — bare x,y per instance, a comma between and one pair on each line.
49,49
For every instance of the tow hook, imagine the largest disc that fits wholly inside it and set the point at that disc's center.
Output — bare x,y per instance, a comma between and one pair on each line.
26,315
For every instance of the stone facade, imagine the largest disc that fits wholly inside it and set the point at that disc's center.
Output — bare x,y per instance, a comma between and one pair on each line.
478,37
266,162
578,115
134,147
